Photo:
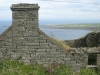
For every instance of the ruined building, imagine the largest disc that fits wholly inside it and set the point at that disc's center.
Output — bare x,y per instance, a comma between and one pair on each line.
24,38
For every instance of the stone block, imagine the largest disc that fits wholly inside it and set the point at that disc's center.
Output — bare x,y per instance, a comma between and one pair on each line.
52,56
46,44
33,47
7,43
42,41
37,53
8,56
35,44
67,59
55,53
8,39
34,55
41,50
10,52
62,56
26,57
22,47
27,61
1,55
51,50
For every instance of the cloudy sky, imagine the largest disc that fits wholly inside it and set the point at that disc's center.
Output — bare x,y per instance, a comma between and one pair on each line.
58,11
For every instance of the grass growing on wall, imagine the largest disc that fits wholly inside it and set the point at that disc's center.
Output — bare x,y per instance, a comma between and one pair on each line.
62,44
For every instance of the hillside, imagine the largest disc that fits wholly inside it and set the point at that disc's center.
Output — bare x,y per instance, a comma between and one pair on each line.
92,39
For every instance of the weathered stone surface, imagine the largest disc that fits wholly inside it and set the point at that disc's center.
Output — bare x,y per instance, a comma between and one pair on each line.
81,54
92,39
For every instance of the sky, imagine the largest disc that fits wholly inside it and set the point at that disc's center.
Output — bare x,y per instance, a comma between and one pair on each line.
58,11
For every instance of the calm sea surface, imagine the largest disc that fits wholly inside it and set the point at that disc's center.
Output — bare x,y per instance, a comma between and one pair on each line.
65,34
62,34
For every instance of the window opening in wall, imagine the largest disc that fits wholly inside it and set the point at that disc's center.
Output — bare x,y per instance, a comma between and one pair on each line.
92,59
73,54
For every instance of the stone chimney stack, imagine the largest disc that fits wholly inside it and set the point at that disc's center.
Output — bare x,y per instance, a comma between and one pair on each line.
25,23
25,14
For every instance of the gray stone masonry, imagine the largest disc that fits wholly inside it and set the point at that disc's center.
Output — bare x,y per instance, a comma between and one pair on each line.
98,59
81,55
24,38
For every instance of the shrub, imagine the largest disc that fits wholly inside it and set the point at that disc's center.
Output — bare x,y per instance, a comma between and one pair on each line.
87,71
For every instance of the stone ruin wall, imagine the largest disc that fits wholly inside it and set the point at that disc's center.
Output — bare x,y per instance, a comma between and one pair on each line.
80,48
81,54
24,38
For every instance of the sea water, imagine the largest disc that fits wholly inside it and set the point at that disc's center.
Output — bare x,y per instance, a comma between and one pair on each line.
62,34
65,34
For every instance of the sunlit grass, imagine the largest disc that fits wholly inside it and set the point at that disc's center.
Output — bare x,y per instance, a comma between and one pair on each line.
62,44
59,42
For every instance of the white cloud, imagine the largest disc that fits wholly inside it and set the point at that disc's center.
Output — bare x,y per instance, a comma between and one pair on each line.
5,15
57,10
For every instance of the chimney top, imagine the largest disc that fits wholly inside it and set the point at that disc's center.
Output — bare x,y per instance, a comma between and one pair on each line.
24,6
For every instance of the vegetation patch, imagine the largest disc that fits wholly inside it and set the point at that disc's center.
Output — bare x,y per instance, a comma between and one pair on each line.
88,72
62,44
16,67
59,42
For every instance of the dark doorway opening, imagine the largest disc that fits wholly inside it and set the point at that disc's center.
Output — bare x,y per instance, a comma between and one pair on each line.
92,59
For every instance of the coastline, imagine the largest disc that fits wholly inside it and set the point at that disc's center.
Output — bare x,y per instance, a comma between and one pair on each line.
91,28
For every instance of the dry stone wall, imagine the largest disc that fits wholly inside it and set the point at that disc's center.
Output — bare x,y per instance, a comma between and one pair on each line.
25,39
81,55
